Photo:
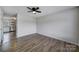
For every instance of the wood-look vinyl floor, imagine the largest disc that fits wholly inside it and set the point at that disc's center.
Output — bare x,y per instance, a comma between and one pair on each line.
37,43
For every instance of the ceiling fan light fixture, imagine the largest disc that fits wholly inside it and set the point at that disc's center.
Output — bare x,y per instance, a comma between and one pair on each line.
34,12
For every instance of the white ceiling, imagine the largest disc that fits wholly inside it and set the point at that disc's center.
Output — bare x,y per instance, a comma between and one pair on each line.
46,10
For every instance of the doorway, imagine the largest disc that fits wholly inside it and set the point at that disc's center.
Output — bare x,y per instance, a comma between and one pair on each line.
9,33
9,28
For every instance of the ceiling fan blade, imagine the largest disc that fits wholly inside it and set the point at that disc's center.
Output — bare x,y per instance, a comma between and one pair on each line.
29,8
38,11
37,8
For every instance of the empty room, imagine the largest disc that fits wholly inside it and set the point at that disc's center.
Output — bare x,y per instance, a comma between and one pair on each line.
39,28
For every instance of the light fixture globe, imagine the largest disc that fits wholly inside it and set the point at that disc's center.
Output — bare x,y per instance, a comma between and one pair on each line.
34,12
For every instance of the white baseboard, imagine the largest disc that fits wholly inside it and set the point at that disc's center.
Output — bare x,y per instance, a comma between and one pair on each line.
60,39
25,35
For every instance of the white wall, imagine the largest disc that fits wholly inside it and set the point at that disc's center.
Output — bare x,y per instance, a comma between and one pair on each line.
25,25
61,25
0,25
0,18
78,27
1,32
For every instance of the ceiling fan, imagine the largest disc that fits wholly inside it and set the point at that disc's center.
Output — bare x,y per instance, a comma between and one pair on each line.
34,10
